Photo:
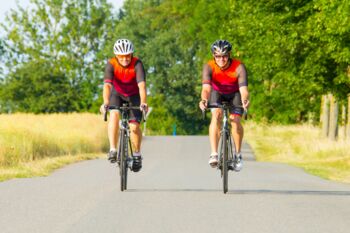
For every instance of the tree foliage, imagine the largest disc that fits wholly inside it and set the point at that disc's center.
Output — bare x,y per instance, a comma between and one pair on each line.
172,38
57,42
295,51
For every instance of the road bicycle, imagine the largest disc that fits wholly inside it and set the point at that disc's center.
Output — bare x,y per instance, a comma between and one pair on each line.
125,153
226,158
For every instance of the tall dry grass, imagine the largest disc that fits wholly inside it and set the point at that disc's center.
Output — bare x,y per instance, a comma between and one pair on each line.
25,138
302,146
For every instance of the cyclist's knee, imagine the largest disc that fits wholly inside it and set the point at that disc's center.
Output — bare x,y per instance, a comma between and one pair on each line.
216,116
114,116
134,127
235,119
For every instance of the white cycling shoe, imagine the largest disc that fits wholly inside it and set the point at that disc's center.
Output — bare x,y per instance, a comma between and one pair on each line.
238,163
213,160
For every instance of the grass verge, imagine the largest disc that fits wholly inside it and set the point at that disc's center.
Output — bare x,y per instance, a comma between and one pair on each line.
42,167
35,145
301,146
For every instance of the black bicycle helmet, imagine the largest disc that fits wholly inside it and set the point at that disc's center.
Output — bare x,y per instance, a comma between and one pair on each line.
221,47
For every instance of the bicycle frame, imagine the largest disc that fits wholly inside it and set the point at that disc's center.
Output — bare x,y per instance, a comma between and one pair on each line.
125,129
125,152
123,156
226,148
226,133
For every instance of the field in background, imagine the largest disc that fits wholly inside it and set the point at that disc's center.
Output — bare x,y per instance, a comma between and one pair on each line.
301,146
36,144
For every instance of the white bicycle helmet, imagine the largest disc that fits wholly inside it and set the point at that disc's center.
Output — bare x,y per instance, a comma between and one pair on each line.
123,47
221,47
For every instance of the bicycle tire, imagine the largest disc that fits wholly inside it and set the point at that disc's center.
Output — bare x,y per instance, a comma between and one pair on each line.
220,155
123,161
224,164
126,161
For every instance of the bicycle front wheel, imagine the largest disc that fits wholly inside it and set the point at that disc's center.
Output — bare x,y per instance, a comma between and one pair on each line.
224,165
123,168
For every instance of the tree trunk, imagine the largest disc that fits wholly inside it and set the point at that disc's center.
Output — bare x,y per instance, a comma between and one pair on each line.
348,122
343,121
333,123
325,115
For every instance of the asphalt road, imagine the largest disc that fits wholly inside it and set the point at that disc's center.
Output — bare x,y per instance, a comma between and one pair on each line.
176,191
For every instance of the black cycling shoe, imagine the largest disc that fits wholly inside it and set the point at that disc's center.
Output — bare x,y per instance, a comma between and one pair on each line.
137,163
112,156
231,165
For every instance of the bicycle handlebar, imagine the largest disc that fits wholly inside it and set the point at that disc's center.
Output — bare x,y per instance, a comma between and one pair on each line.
124,108
223,106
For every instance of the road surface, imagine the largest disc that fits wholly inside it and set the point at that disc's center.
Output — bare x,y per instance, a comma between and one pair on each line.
176,191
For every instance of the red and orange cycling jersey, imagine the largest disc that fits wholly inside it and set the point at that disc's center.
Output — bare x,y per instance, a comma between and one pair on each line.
125,79
227,80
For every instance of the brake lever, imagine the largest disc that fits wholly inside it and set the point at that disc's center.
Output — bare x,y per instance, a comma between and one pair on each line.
105,114
144,115
204,116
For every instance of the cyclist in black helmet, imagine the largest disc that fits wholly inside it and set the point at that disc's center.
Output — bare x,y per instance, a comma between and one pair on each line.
225,79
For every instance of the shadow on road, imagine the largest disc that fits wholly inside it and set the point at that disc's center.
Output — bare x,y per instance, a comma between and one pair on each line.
253,192
292,192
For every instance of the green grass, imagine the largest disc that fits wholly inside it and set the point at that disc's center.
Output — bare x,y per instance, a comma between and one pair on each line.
34,145
301,146
42,167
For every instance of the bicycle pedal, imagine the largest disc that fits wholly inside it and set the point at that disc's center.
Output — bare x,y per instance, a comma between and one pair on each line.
230,165
130,163
112,160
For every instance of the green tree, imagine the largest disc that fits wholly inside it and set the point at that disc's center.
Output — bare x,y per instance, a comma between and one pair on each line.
292,53
39,90
65,37
172,37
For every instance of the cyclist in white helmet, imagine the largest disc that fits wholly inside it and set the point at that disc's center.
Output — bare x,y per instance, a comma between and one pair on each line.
125,82
225,79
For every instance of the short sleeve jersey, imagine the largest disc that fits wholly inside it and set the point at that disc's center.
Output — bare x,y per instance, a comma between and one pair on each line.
125,79
225,81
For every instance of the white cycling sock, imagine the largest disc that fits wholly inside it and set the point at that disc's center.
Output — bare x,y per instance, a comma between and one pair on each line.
112,149
137,154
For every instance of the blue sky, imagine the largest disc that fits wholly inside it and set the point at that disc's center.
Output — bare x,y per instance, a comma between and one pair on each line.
6,5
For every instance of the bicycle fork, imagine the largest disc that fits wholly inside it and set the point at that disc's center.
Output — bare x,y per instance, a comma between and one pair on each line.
228,137
127,145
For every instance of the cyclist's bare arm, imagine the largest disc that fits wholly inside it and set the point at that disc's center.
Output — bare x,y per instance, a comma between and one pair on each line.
206,89
143,92
107,87
206,86
206,82
141,82
243,85
106,93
